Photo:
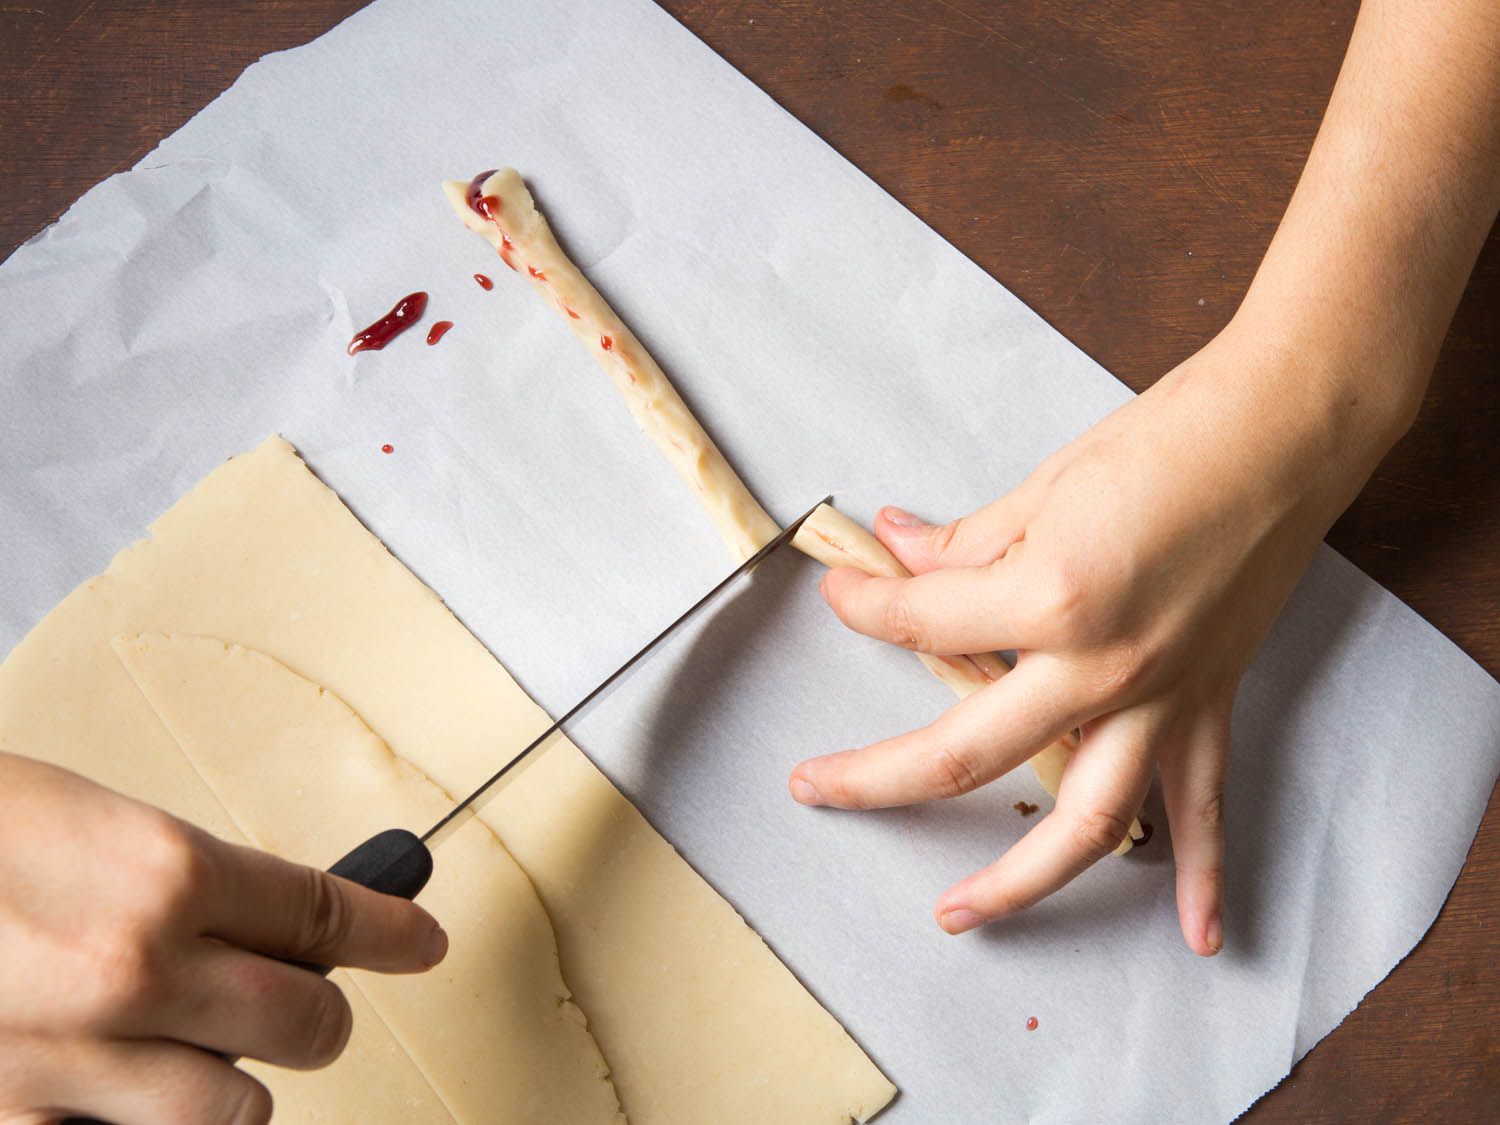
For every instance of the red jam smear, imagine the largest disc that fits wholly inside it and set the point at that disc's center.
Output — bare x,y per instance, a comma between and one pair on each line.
485,206
484,282
438,331
536,273
407,312
569,310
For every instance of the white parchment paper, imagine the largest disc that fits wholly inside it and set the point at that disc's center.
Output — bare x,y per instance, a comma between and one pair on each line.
182,311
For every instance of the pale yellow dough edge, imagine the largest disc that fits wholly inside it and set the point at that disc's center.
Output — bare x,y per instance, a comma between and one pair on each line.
304,778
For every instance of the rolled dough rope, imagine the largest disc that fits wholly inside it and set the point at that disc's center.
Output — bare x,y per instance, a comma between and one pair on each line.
498,207
517,230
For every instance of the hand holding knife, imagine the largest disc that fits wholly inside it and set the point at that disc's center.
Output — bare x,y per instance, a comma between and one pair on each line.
399,862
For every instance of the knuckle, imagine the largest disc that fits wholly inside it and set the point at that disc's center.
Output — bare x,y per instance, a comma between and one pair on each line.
326,918
1211,812
1099,831
1209,871
1059,600
324,1027
843,792
125,968
899,623
950,773
1001,902
249,1104
124,977
1125,670
173,867
946,538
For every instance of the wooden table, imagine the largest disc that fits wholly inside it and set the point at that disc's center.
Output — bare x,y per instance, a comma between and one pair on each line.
1121,168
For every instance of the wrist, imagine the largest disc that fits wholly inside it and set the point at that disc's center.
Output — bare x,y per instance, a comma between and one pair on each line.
1352,398
1290,417
1366,340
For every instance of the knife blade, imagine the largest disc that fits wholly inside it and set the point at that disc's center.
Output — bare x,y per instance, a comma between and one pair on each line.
399,862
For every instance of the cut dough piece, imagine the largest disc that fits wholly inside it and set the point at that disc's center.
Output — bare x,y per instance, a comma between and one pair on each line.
304,778
261,552
691,1008
512,224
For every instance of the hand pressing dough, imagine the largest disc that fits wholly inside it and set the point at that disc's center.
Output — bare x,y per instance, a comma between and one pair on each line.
261,553
835,540
517,229
303,777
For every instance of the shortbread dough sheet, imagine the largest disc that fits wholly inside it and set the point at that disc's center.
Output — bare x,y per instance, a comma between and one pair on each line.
693,1014
302,776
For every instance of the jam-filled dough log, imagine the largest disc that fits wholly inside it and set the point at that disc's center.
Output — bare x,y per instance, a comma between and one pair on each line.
497,206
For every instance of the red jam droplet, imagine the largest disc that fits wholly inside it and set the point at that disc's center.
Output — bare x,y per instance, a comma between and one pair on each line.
1031,1024
484,283
387,448
407,312
507,248
569,310
536,273
485,206
438,331
607,343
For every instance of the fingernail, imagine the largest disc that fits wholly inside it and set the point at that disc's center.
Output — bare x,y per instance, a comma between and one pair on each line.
900,517
960,920
1215,936
805,793
437,946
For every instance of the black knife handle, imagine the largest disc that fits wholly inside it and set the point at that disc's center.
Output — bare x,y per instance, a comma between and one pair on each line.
393,862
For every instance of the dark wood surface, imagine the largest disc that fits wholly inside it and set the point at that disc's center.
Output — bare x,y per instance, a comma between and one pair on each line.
1119,166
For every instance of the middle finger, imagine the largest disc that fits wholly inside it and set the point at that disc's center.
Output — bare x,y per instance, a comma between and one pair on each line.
244,1005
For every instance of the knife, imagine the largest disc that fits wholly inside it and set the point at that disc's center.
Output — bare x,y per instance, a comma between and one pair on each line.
399,862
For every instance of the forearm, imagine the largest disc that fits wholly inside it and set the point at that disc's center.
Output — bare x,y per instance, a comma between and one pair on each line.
1398,194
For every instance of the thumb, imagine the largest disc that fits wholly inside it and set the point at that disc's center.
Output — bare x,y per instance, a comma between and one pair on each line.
974,540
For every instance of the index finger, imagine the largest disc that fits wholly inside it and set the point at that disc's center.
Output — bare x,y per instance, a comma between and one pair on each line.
270,905
946,612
